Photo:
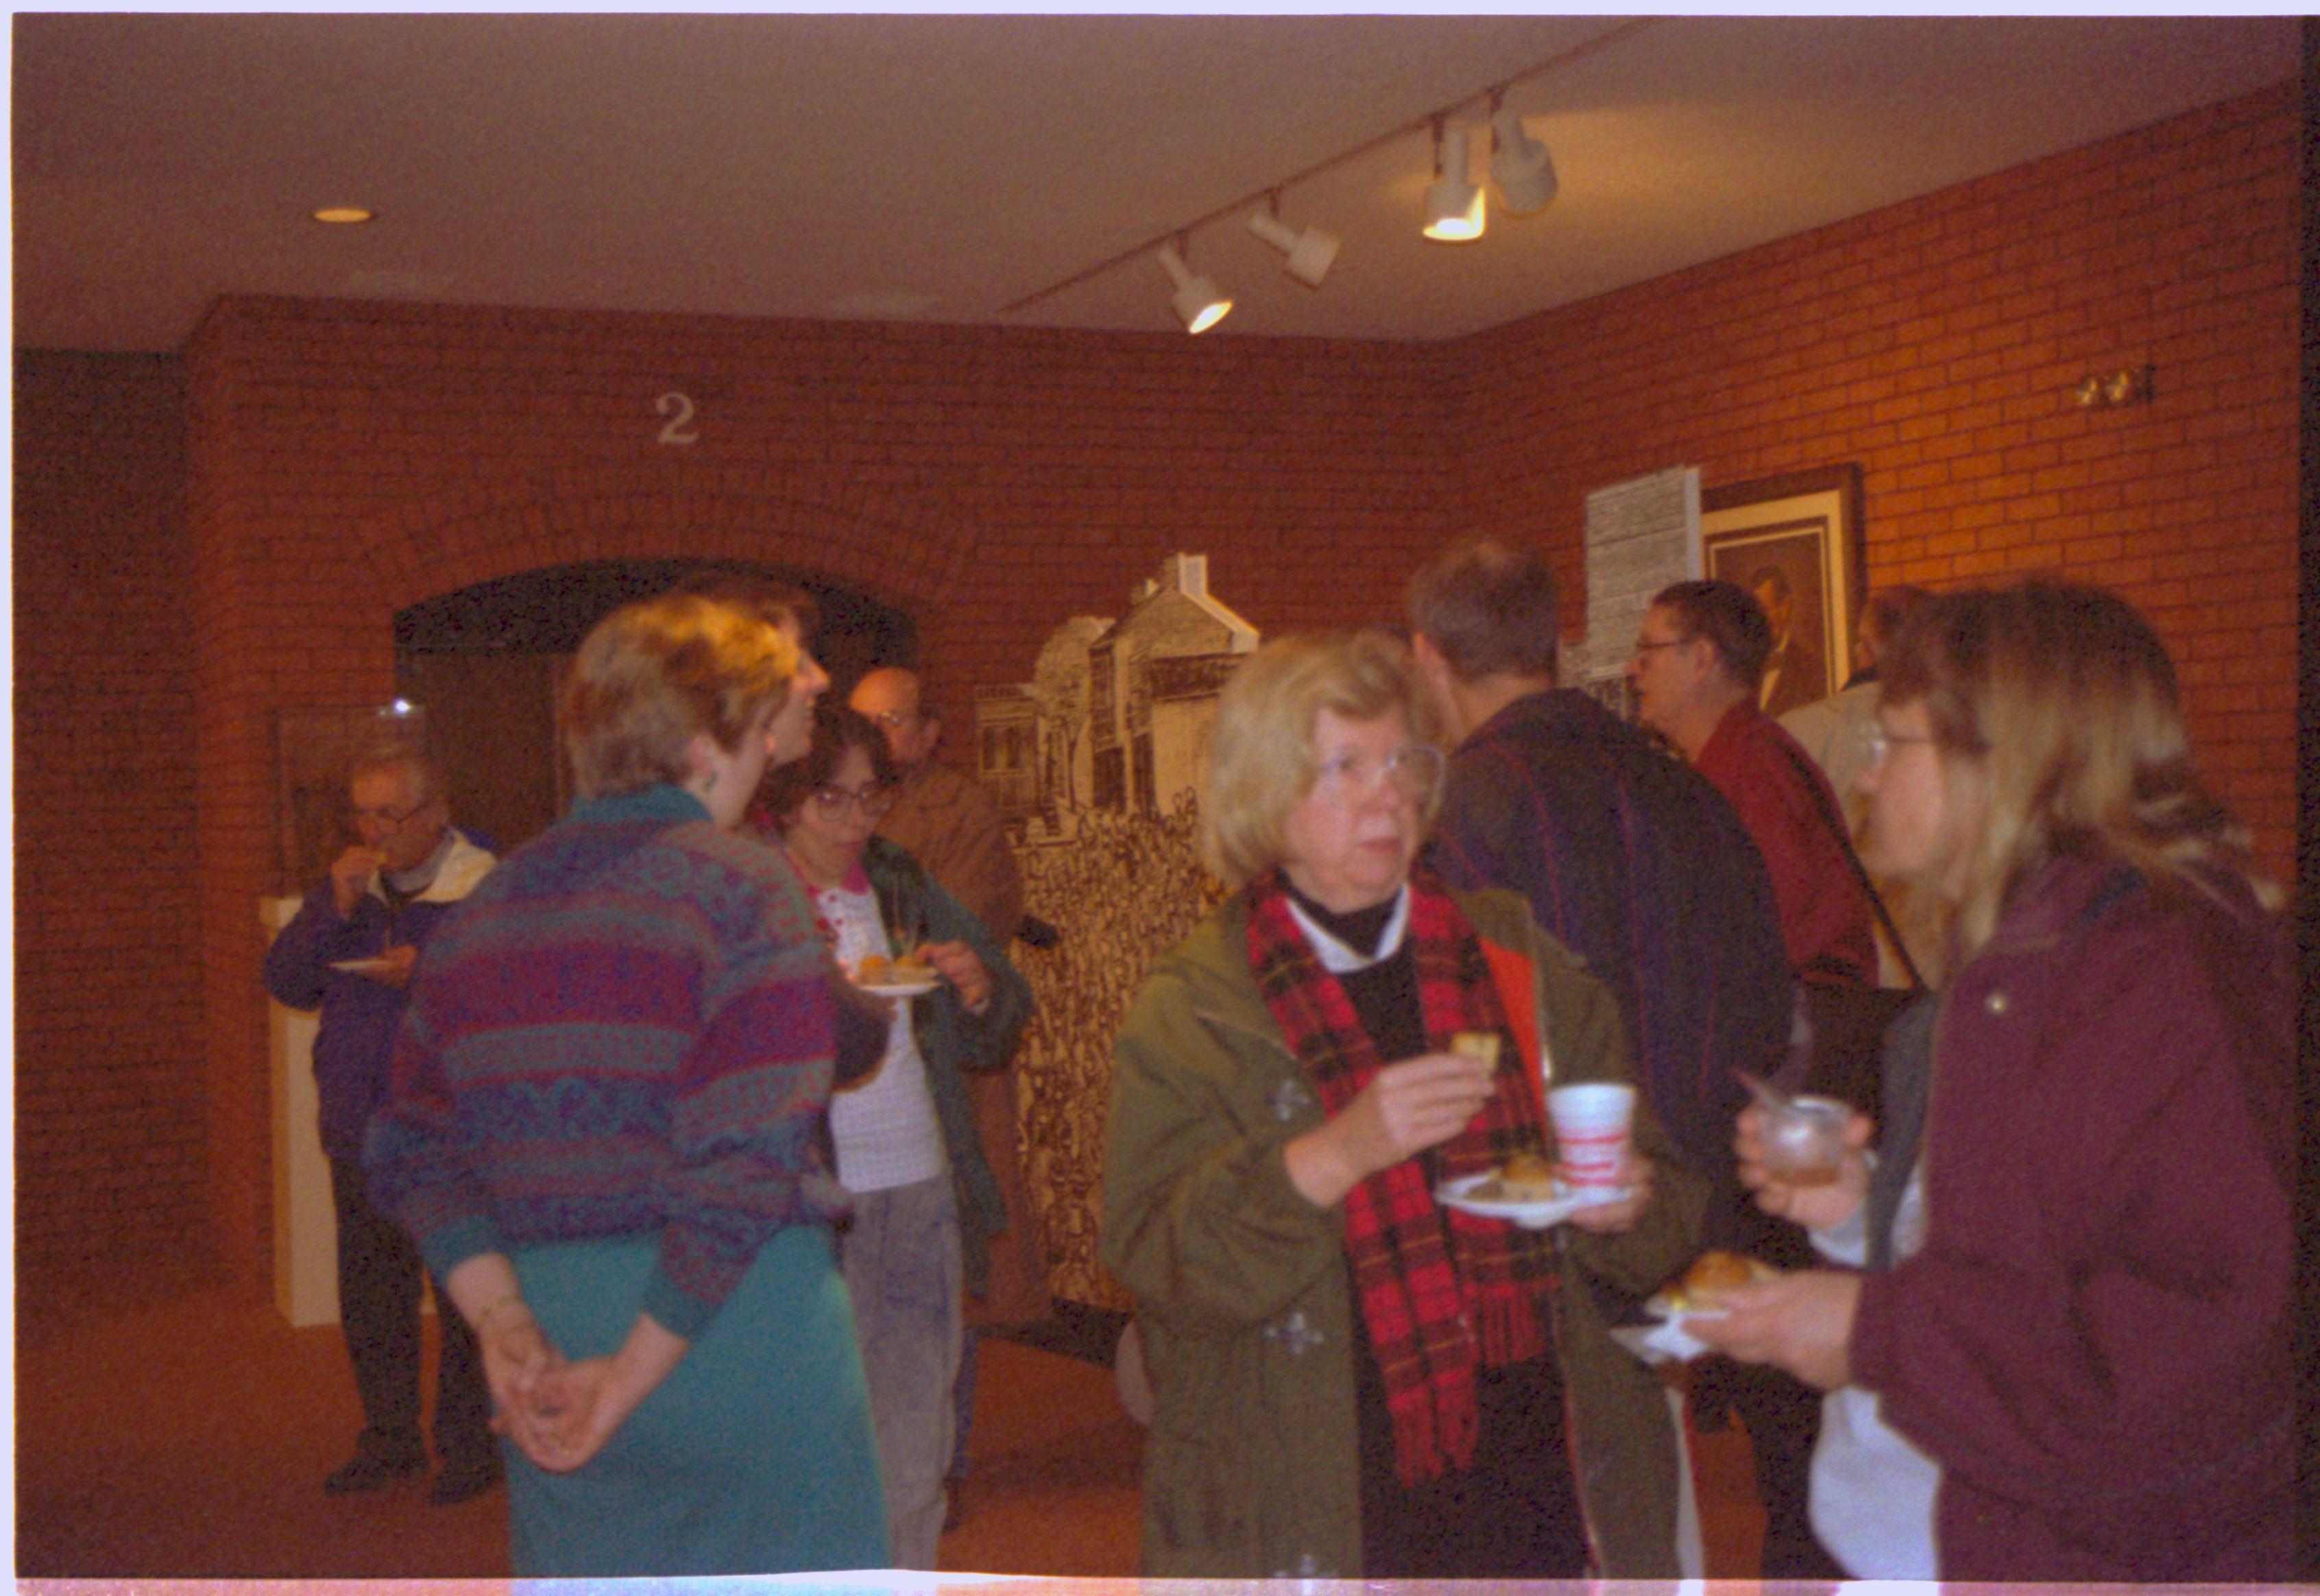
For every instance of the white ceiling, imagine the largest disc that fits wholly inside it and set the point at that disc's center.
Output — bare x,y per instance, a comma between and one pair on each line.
941,168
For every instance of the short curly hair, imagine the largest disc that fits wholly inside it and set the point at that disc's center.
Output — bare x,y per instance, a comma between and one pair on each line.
1261,762
653,675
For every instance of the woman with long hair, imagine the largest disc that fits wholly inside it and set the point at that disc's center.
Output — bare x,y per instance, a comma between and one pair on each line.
601,1130
2067,1356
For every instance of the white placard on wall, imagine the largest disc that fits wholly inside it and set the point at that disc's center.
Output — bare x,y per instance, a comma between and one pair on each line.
1641,535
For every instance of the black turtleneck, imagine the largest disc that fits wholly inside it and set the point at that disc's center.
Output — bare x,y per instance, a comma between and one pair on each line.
1384,994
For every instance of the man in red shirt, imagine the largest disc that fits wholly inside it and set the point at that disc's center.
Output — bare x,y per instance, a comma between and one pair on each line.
1698,658
1697,670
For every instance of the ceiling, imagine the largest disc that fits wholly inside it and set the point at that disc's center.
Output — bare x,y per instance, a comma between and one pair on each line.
947,168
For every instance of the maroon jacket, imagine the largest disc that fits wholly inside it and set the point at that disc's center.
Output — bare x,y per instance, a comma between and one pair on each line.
2094,1342
1826,920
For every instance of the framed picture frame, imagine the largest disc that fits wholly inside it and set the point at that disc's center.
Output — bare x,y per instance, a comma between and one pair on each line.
1796,542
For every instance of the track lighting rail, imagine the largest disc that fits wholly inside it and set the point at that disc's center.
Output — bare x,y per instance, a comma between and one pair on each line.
1489,94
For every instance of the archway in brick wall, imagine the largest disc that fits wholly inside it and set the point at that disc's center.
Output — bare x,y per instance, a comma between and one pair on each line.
482,663
810,523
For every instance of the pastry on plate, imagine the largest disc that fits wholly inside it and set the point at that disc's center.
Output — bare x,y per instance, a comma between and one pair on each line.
1713,1273
1526,1178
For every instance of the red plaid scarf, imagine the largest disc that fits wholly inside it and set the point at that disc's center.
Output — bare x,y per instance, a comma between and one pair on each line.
1440,1290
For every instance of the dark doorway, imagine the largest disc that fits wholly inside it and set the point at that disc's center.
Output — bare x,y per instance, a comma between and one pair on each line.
485,663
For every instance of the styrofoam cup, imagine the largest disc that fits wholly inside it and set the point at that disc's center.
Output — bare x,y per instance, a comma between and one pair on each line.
1591,1131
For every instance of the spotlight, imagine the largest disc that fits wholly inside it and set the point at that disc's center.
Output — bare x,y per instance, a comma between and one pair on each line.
1310,248
1453,206
1196,299
1519,165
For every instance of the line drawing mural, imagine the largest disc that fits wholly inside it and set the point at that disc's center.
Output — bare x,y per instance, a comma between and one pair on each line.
1097,762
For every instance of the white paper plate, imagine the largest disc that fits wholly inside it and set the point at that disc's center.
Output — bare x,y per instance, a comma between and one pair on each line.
907,989
364,967
1530,1216
1666,1340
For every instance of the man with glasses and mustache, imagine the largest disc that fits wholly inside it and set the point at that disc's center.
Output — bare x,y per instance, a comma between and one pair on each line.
350,953
946,821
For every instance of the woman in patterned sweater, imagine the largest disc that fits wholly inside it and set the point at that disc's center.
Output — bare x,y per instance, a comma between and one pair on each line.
601,1131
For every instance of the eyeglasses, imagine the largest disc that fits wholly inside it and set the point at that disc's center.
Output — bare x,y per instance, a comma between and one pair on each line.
1644,645
830,803
896,719
1880,742
1414,771
389,820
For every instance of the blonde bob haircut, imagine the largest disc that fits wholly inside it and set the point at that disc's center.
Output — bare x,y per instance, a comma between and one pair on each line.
1260,759
2064,701
653,675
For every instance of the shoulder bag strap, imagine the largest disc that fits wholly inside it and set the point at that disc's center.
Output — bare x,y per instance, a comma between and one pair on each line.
1815,783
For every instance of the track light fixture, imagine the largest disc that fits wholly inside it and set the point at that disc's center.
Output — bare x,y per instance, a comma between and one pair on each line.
1453,206
1519,164
1197,304
1310,249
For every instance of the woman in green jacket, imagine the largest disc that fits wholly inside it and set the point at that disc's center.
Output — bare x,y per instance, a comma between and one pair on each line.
1349,1380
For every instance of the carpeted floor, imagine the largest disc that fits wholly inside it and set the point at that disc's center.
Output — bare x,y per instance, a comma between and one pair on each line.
168,1427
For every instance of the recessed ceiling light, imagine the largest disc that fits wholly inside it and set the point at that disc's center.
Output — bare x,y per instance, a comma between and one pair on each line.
344,215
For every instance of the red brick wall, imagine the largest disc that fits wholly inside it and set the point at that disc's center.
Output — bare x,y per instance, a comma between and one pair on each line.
1938,343
348,459
110,1155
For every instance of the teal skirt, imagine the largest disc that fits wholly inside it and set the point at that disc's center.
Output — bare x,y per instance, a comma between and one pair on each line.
754,1456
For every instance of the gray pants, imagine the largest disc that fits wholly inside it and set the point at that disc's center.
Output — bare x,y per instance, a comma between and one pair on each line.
900,1258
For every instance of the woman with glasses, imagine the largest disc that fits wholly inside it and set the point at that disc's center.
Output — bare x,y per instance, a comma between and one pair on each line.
2065,1352
599,1129
1350,1380
924,1203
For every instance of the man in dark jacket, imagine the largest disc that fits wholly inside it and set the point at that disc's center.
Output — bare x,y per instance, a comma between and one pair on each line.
349,952
1637,864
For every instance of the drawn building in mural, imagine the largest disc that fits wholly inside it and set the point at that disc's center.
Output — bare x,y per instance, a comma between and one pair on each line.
1097,762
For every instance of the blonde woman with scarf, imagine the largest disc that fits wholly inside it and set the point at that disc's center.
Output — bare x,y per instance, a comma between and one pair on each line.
1350,1380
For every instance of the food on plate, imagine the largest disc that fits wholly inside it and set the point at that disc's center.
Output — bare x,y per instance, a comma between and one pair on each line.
1526,1178
875,969
1712,1274
1478,1044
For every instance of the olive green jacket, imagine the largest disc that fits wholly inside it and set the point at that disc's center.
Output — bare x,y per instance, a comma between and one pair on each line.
1241,1283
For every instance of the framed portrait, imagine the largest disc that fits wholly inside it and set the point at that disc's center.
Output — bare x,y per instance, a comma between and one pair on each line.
1794,542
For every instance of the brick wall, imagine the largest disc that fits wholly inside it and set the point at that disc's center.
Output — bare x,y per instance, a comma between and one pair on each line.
1938,343
348,459
110,1155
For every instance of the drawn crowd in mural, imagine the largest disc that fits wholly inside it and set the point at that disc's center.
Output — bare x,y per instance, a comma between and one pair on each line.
1097,762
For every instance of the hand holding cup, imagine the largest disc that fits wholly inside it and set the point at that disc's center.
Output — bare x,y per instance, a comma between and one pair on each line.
1773,1153
1591,1121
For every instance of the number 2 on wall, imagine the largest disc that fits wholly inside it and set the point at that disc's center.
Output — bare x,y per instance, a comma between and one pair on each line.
679,411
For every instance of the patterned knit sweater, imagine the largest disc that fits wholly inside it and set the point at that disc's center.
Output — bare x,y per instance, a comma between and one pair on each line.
625,1031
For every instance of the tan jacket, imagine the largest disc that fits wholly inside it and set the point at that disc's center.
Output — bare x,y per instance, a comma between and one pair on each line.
1241,1287
949,824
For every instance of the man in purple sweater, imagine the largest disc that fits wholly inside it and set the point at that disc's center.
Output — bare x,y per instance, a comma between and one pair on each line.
349,952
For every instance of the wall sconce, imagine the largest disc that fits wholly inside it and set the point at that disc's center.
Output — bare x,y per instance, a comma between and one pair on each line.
2131,385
